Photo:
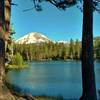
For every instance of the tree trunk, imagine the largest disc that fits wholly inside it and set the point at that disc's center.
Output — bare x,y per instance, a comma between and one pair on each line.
2,47
88,74
2,44
4,91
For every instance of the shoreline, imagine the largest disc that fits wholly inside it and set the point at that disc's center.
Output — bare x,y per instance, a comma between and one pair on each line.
29,96
26,96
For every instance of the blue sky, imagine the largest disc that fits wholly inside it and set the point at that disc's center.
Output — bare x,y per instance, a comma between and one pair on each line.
55,24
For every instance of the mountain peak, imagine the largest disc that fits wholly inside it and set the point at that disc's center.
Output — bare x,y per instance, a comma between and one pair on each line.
32,37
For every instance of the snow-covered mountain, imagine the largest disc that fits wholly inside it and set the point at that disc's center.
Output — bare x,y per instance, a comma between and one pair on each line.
62,41
33,37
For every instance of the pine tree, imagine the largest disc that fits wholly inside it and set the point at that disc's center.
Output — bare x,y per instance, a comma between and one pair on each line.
77,49
71,49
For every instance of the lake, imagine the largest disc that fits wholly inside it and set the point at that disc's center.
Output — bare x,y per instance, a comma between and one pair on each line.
51,78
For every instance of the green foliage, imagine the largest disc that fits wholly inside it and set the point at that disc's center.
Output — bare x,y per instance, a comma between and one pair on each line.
54,51
97,47
64,4
45,51
77,49
71,49
17,59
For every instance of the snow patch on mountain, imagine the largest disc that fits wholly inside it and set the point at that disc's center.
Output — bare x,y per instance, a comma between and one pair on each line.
62,41
33,37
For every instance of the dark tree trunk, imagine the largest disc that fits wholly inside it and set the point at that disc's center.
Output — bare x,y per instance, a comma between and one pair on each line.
4,91
2,43
2,47
88,74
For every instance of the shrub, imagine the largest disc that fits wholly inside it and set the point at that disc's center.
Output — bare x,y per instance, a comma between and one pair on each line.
17,59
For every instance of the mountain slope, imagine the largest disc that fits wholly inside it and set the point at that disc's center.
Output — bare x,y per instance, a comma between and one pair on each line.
33,37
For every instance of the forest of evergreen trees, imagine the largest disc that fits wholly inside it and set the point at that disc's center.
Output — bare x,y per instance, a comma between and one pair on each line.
54,51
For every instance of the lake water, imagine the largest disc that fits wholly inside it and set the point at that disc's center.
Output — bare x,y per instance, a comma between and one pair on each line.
51,78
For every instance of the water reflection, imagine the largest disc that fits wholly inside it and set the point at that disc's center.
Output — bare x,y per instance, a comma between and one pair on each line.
51,78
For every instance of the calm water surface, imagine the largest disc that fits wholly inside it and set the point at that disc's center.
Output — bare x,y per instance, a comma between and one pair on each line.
52,78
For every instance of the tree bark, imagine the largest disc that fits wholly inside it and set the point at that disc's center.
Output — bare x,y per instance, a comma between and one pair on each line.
88,74
2,47
2,43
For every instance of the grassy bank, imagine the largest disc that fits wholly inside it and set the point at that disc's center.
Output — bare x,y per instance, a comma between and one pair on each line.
16,66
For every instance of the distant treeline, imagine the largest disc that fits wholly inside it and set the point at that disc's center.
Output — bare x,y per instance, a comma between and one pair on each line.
54,51
97,47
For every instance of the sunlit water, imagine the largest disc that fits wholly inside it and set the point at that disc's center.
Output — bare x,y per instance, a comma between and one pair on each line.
51,78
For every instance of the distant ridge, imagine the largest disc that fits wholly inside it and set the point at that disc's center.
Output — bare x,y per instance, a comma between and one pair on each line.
32,37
